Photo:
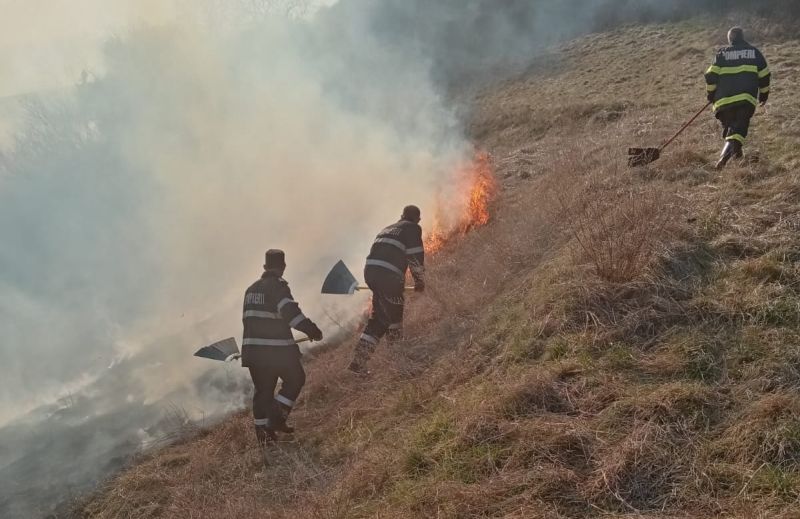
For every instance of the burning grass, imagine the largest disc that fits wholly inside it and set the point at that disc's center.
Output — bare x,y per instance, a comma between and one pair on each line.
476,188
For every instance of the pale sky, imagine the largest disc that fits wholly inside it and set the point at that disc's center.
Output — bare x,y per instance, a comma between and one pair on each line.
47,43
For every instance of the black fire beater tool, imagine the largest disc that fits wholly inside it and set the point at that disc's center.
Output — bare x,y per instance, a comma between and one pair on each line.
227,350
340,281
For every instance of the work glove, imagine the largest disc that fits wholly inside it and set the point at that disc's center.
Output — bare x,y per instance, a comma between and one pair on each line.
419,286
311,329
316,333
762,98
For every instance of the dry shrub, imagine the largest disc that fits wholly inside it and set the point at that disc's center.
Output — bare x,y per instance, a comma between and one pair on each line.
768,431
618,235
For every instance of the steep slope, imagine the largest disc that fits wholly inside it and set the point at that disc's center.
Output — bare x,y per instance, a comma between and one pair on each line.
613,343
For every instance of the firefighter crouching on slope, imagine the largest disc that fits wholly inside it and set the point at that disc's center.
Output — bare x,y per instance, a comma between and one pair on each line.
738,76
269,349
396,248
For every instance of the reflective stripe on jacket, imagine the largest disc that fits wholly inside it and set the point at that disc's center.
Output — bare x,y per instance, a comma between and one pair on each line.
397,248
738,75
269,313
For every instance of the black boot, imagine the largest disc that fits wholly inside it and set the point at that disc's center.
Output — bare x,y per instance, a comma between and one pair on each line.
264,434
362,354
737,150
394,334
280,413
727,153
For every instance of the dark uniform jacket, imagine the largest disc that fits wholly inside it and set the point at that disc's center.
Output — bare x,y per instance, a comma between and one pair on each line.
269,314
738,75
397,248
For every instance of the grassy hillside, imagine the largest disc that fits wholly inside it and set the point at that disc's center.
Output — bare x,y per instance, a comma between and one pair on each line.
614,343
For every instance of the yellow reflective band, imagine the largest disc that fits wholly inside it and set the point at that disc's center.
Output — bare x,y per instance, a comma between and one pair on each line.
738,70
764,90
735,99
735,137
713,69
711,88
763,73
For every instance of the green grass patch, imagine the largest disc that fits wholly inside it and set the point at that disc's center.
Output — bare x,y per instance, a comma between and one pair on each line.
436,452
783,311
618,357
776,481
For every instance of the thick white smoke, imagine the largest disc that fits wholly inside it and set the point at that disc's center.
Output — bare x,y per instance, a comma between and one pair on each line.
135,208
137,198
141,203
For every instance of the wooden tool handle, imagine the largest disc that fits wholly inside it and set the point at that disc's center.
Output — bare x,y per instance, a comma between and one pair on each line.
684,127
367,288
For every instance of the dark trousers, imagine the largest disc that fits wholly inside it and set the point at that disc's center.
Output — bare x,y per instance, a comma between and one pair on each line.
280,363
735,121
388,301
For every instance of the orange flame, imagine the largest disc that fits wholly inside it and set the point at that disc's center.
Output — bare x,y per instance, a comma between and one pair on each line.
479,188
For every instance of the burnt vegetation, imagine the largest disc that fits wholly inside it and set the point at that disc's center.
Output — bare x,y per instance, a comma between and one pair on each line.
615,342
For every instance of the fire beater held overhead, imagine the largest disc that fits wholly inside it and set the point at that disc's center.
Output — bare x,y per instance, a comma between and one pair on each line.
397,248
737,81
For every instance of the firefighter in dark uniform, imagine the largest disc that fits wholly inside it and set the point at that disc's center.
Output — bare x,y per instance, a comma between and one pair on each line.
737,82
396,249
269,349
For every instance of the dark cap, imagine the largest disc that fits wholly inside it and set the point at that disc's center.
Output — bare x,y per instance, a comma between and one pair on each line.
736,35
411,213
274,259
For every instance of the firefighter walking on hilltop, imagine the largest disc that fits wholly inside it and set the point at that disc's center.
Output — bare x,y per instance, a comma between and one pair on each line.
397,248
737,81
269,350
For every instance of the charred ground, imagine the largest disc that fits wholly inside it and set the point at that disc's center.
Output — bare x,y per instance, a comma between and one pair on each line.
614,342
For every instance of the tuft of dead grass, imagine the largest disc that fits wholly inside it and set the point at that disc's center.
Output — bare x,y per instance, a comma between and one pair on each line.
766,432
677,407
643,472
537,393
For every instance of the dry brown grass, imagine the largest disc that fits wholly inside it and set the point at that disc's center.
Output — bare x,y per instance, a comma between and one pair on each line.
767,432
614,343
617,226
